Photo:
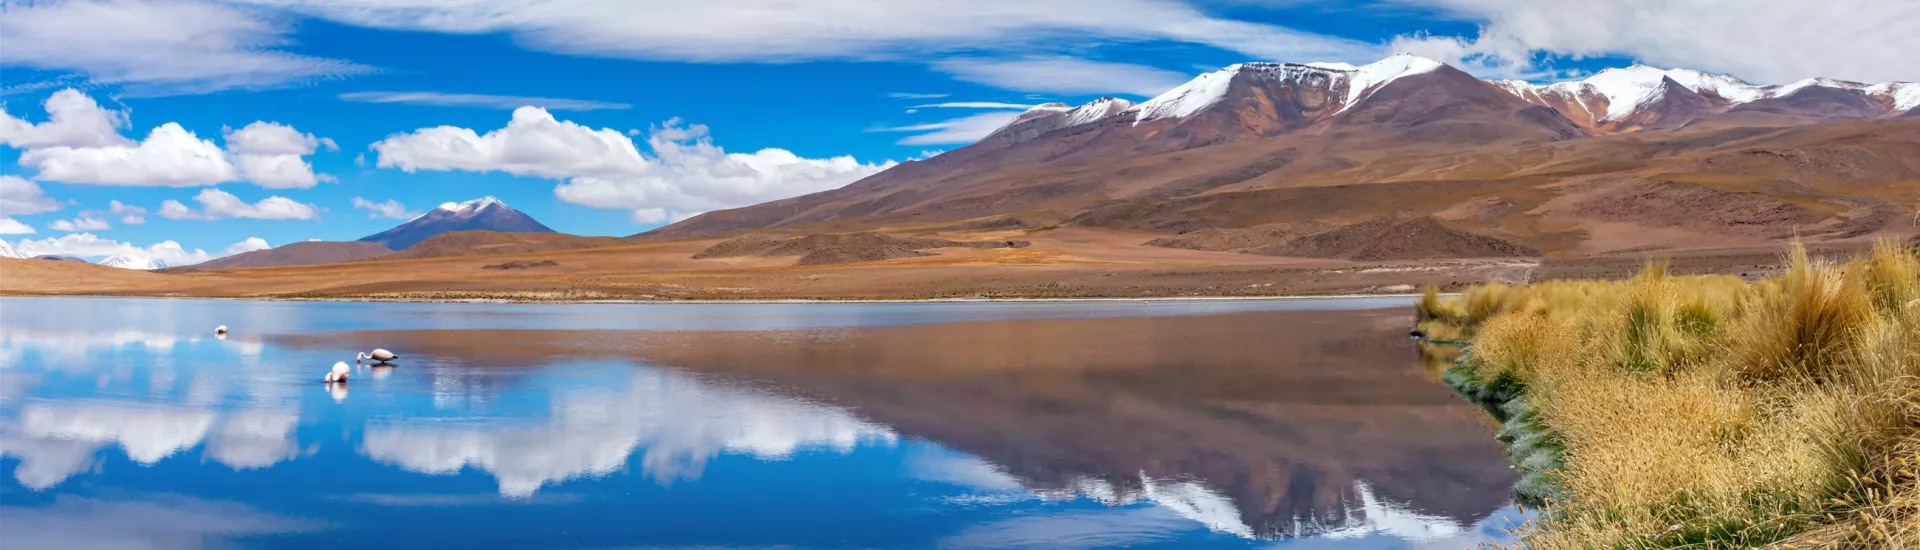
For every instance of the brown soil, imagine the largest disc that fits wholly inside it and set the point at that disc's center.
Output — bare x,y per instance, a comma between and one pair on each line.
1389,238
300,253
1697,208
481,243
1241,238
839,248
522,265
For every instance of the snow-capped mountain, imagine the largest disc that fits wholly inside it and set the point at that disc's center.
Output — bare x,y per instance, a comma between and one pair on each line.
1288,96
8,251
124,261
1254,100
1648,98
485,213
1047,117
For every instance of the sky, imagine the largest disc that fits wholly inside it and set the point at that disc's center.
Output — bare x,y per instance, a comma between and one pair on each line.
183,130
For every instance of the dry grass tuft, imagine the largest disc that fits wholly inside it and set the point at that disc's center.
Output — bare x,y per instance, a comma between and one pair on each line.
1712,413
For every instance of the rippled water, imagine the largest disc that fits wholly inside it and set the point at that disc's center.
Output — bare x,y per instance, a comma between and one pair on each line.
128,424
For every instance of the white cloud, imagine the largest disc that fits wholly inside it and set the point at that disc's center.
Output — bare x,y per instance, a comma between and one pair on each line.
1765,41
533,143
217,204
391,209
782,30
159,46
86,222
73,120
963,130
269,154
19,196
974,105
170,156
80,144
605,169
909,95
88,245
1064,75
693,175
10,226
129,214
481,100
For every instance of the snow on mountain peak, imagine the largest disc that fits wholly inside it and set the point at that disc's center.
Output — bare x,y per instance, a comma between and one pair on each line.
8,251
127,261
474,205
1096,110
1188,98
1210,88
1366,78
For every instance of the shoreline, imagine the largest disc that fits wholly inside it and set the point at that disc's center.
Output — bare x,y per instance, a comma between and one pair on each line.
741,301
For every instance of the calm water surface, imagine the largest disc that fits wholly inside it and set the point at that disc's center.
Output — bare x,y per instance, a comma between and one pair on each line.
1293,424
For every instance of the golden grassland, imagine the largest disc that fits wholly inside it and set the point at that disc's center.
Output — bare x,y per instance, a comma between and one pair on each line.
1704,411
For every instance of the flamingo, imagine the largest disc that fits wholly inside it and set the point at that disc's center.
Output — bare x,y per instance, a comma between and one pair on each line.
339,372
380,356
220,330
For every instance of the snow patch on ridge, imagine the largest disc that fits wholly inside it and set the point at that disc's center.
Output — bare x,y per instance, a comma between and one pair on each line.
1905,95
1362,81
1188,98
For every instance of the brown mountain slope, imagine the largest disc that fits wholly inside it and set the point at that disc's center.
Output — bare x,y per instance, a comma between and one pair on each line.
481,243
300,253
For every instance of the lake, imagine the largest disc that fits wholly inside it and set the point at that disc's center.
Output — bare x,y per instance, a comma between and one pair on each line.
1311,423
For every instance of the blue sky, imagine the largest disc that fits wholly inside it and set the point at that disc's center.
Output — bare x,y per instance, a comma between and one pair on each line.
840,88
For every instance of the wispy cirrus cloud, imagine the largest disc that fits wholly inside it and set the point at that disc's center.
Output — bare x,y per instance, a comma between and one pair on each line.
482,100
160,47
1766,41
1064,75
973,105
955,131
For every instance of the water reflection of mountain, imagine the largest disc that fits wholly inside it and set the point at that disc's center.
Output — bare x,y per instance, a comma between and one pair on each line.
1276,423
673,421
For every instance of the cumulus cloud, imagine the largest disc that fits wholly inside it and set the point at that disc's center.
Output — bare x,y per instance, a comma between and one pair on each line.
129,214
80,144
10,226
605,169
159,46
170,156
216,205
481,100
269,154
1765,41
88,245
963,130
20,195
1064,75
73,120
391,209
532,144
86,222
693,175
781,30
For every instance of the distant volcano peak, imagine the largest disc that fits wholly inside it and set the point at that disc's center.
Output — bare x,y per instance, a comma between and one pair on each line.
485,213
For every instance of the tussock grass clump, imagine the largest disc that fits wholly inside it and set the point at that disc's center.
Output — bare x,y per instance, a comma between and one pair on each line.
1704,411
